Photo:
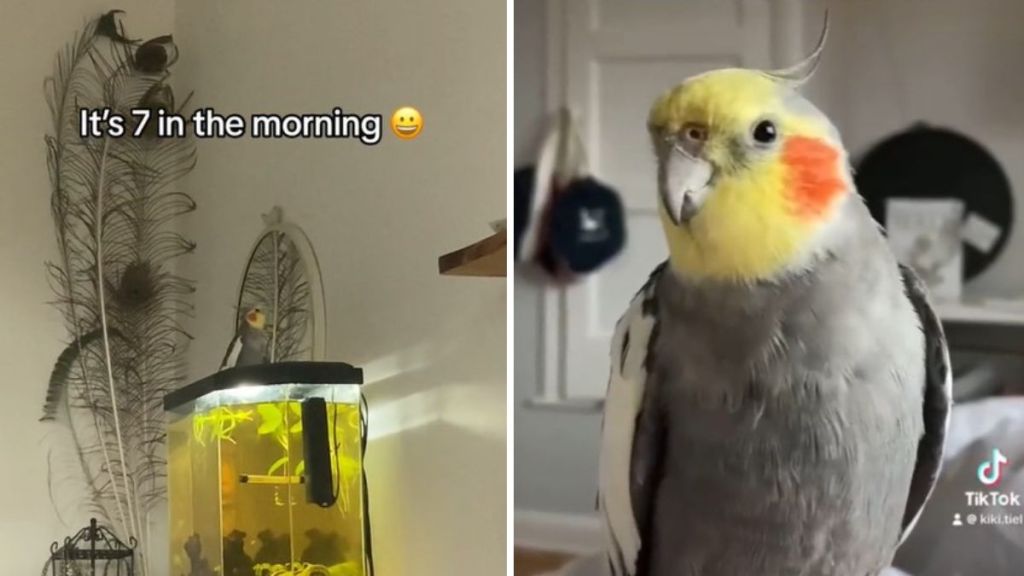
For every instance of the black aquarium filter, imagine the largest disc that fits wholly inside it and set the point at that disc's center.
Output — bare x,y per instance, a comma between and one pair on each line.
316,442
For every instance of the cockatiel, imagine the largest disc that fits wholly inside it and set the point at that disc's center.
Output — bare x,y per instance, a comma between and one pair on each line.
249,345
780,387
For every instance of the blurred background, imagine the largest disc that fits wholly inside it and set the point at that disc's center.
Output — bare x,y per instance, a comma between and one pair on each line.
909,84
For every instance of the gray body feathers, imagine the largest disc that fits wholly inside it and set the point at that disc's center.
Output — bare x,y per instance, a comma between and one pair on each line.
784,428
247,349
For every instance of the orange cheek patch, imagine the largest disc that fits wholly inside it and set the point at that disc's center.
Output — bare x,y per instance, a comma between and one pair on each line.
814,179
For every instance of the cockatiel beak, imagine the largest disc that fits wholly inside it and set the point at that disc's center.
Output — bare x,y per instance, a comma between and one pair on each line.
256,319
687,184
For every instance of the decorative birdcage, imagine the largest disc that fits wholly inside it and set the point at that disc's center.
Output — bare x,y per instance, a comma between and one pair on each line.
94,551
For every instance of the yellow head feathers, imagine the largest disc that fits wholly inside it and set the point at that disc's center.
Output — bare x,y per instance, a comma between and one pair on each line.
256,319
749,172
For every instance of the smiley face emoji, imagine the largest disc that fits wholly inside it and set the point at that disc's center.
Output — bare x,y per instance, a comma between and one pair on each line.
407,122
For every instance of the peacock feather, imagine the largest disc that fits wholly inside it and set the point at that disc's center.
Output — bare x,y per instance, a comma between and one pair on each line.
275,282
115,203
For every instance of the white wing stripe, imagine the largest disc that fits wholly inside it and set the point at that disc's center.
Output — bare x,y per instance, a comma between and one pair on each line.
622,405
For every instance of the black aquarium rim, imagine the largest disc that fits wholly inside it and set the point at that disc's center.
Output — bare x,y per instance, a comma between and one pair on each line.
266,375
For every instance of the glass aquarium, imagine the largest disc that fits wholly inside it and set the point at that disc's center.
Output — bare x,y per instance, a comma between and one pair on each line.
265,472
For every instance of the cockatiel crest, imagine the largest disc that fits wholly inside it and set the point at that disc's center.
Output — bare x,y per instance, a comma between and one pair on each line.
750,172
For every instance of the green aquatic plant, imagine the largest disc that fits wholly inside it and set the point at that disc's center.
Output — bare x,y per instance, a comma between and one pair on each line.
218,424
307,569
274,422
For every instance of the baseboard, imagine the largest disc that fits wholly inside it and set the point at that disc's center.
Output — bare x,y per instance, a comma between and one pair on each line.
570,533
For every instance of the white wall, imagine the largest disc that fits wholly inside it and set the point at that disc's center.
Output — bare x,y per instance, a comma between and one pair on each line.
433,346
887,64
31,33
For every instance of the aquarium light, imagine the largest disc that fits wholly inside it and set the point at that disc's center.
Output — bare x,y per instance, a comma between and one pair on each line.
242,393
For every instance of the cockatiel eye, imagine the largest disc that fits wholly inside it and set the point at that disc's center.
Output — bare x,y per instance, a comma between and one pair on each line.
765,132
695,133
689,139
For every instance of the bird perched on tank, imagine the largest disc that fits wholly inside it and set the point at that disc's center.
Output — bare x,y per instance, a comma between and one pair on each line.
780,386
249,345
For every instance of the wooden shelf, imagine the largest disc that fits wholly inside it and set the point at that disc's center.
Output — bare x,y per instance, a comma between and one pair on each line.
484,258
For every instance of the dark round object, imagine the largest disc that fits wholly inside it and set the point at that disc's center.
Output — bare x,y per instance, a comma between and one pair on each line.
765,132
587,227
928,162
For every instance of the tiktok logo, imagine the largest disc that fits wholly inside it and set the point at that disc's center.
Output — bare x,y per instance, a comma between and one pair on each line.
990,472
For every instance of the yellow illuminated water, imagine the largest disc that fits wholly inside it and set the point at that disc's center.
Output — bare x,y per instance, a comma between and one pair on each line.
237,502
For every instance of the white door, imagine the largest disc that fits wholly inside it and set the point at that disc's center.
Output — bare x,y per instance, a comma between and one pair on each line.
611,59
